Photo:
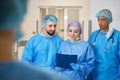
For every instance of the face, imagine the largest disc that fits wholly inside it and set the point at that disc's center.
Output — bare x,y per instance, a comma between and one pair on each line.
103,23
73,32
51,28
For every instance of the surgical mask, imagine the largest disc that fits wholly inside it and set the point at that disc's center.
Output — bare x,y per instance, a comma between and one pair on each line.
76,39
110,32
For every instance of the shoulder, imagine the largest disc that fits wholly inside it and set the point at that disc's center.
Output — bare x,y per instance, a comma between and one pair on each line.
84,43
64,43
57,38
36,37
94,32
92,35
116,32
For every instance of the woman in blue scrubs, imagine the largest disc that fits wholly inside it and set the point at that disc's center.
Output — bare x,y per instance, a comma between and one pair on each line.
75,46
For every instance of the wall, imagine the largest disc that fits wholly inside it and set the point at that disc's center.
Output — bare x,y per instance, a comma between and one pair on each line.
113,5
29,23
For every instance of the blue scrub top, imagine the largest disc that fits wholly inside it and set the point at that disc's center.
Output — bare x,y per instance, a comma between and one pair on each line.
40,50
107,53
85,58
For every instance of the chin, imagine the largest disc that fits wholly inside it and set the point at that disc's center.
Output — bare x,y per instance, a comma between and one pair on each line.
72,39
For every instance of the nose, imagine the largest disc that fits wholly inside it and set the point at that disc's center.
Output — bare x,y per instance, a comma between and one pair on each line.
72,33
53,28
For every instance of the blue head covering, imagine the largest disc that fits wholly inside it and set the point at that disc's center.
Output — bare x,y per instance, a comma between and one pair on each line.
11,13
105,13
49,18
75,24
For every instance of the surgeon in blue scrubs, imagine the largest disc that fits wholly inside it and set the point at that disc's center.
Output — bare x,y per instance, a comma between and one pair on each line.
40,50
75,46
106,46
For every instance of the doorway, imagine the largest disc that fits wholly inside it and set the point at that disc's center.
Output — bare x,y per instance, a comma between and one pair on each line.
64,15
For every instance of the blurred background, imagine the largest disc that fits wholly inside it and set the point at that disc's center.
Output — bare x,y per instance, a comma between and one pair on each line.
83,11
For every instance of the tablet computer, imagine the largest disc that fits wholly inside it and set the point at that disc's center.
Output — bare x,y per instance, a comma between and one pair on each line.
64,60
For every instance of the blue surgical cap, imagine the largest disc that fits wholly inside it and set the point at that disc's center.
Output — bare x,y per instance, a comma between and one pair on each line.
12,13
105,13
75,24
49,18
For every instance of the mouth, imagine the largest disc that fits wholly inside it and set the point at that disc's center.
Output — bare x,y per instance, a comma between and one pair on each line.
72,37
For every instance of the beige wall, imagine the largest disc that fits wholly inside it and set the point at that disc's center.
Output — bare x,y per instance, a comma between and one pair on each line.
29,23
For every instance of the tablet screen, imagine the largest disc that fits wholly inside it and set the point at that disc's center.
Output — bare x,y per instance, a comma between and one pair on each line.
64,60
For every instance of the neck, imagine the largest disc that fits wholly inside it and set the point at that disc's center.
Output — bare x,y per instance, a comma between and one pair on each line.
44,32
76,40
105,30
6,43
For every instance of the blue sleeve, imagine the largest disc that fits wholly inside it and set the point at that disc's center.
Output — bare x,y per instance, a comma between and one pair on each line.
61,40
60,49
119,57
88,64
119,48
28,51
59,69
89,39
51,55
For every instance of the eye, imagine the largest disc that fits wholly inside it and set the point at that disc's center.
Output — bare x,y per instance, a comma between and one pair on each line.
76,31
103,19
55,25
50,25
70,30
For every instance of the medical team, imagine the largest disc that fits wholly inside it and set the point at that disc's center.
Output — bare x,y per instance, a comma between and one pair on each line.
101,58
